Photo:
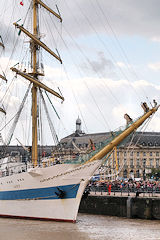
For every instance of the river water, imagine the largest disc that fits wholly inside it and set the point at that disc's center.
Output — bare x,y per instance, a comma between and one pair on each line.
88,227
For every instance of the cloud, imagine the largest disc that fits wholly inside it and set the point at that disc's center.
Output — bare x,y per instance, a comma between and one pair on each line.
7,34
6,63
101,65
128,17
118,111
155,122
154,66
121,64
102,101
97,103
155,39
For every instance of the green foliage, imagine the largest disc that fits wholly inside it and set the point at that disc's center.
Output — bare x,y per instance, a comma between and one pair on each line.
155,173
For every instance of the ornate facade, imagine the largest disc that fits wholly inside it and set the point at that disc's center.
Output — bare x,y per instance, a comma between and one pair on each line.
135,158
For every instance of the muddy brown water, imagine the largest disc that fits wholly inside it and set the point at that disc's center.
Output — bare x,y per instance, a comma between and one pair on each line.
88,227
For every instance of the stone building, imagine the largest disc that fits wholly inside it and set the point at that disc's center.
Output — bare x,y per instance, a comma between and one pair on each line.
139,158
136,156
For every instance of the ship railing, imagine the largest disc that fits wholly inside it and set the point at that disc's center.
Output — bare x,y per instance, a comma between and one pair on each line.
10,170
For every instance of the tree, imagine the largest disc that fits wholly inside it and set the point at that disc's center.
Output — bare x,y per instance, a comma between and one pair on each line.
155,173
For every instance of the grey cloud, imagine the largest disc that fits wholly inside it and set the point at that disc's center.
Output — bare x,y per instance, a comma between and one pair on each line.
132,17
101,65
127,17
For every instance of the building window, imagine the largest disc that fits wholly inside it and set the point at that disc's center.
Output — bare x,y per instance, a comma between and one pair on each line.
157,154
131,153
131,162
151,162
137,154
137,162
144,154
144,162
125,154
157,163
150,154
125,162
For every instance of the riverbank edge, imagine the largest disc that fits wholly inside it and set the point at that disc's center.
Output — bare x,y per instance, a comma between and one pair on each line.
124,206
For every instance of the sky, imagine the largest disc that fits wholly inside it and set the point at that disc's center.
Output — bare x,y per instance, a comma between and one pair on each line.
111,63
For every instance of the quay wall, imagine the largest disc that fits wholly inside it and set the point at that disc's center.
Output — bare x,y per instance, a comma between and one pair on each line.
122,206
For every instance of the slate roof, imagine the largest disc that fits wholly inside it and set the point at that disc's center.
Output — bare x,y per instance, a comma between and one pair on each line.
84,139
143,139
13,149
150,139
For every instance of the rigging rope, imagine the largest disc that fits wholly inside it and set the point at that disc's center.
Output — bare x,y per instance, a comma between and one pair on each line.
54,135
10,134
80,74
129,65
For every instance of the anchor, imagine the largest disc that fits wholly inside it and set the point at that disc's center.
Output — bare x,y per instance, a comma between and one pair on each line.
61,193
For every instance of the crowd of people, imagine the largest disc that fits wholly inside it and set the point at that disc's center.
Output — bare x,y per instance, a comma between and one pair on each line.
130,185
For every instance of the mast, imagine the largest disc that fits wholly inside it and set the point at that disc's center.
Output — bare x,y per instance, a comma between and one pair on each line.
34,50
34,88
35,43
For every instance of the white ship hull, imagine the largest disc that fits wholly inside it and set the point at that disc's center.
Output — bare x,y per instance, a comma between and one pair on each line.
52,193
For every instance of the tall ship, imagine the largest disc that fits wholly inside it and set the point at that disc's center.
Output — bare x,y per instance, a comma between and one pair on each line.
36,189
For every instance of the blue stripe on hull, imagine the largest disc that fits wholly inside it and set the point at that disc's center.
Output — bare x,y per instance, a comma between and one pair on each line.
59,192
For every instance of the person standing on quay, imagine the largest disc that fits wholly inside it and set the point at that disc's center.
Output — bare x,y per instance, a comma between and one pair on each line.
109,188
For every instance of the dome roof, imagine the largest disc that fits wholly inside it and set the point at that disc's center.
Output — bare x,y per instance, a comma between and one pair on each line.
78,121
